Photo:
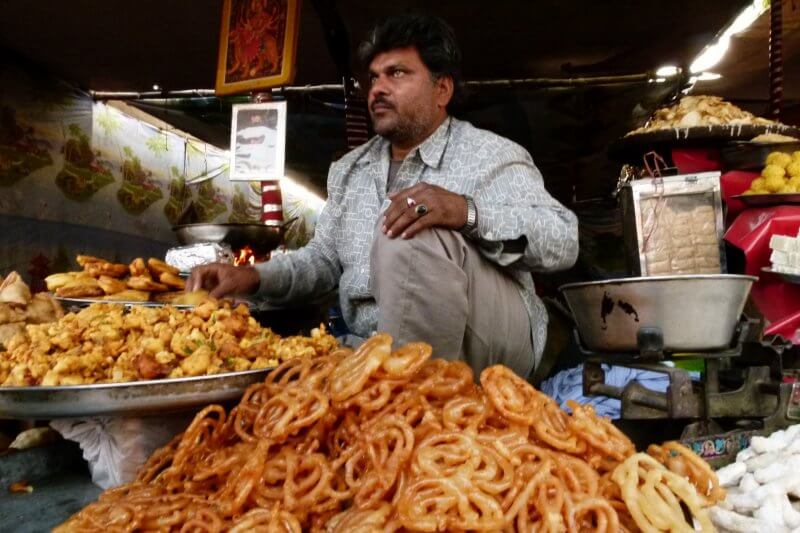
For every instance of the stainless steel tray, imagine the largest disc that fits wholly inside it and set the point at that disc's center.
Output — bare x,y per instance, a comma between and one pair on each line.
136,398
761,200
86,302
694,312
789,278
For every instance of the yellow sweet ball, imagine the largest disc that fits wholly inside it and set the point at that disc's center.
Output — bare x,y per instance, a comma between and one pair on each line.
779,158
796,155
795,182
787,189
773,171
793,168
774,183
758,184
749,192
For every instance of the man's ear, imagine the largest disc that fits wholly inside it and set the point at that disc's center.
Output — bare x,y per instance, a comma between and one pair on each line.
444,91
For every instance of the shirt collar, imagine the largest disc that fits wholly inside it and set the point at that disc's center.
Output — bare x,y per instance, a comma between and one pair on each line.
430,151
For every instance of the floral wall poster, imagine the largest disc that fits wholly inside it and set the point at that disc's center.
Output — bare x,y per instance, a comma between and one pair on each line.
78,176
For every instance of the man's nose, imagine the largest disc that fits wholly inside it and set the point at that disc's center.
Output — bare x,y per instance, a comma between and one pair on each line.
378,87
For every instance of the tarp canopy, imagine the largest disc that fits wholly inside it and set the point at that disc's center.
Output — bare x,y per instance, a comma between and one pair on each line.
119,45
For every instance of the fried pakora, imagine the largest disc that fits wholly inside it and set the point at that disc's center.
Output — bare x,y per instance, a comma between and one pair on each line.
171,280
111,285
141,283
158,267
106,343
113,270
128,295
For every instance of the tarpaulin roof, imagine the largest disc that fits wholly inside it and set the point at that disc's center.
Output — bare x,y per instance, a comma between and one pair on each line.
121,45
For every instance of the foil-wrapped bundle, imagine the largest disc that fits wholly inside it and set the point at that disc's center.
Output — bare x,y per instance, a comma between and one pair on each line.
185,258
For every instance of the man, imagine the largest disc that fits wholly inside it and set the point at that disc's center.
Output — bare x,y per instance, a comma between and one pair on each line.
431,229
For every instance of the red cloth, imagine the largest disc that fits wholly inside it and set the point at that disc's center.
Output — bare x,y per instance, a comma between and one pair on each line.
692,160
777,300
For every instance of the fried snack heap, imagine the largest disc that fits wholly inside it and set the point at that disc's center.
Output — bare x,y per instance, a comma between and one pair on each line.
19,308
104,343
138,282
693,111
382,440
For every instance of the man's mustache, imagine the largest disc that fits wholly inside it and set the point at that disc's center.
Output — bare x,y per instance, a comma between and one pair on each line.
382,101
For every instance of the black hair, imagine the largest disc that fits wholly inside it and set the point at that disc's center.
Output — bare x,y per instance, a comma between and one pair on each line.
433,38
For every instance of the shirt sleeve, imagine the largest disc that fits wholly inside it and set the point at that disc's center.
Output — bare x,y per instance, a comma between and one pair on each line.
310,272
513,206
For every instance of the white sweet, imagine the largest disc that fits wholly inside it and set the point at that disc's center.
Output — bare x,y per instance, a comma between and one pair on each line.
790,515
730,475
734,522
780,258
762,483
771,512
748,483
745,455
774,443
782,243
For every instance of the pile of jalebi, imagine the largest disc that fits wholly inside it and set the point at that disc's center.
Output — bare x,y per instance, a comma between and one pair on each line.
382,440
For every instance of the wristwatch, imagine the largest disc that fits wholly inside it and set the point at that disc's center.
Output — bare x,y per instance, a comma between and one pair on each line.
470,229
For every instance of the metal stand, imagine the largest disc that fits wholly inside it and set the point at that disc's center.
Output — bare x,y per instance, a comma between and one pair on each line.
758,395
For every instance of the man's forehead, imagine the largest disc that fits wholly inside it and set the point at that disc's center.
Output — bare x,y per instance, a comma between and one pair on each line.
408,56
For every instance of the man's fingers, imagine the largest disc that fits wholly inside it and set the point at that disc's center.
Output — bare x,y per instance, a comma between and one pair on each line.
410,217
399,225
422,194
204,277
395,211
195,281
225,287
400,202
420,224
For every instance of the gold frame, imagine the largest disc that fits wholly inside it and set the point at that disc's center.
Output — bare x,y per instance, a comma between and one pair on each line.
287,73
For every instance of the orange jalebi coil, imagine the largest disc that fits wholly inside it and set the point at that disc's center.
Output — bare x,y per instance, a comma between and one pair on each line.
684,462
381,440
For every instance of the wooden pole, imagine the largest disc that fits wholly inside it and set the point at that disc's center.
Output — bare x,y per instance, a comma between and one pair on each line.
776,59
271,196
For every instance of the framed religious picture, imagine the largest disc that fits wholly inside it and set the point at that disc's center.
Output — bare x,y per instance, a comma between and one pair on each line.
257,44
258,141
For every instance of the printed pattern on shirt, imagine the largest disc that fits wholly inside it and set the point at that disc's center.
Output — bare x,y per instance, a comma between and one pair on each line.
509,196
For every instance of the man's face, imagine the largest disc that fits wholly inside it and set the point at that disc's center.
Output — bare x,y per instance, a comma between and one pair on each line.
405,102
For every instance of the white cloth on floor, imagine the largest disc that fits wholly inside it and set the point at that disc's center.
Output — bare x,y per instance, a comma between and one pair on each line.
116,447
568,385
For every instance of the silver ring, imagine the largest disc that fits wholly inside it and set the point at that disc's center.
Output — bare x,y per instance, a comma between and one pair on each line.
421,209
410,202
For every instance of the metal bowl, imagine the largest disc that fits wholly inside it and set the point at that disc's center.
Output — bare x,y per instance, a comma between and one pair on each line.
694,312
262,239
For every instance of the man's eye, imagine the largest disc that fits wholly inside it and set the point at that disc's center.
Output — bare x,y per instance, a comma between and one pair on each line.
397,73
372,78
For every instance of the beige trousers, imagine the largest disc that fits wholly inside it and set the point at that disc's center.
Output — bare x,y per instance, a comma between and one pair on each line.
438,288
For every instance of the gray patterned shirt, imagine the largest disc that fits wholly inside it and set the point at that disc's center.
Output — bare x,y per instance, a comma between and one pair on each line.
509,195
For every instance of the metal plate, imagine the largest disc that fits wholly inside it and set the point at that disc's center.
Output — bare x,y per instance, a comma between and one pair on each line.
695,313
632,147
136,398
765,200
261,238
789,278
86,302
746,155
